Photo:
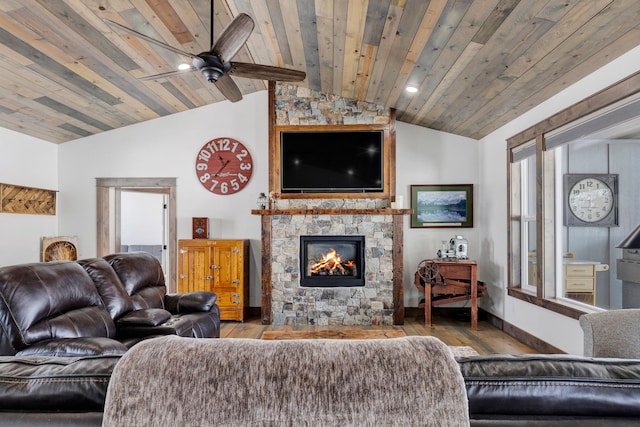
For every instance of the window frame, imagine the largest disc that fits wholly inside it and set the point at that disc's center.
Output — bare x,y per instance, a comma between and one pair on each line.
545,202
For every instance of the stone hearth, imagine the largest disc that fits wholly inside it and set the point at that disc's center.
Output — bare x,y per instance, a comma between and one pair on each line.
285,302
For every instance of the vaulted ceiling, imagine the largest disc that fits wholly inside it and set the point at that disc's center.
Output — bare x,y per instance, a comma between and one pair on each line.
66,74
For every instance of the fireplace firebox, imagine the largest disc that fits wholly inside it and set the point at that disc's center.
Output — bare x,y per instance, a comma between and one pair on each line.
332,261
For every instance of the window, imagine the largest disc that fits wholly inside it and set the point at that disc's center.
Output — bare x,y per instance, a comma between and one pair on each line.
572,199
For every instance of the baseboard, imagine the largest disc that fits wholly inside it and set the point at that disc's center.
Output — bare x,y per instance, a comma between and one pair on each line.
513,331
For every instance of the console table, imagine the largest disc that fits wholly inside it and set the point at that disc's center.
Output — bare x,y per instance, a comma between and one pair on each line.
453,270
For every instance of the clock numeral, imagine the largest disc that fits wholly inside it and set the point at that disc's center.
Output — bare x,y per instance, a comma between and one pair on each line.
242,178
214,184
242,154
212,146
204,177
234,184
224,188
224,144
202,166
204,155
245,166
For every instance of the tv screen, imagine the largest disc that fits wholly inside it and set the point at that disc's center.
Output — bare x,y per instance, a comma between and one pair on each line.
331,161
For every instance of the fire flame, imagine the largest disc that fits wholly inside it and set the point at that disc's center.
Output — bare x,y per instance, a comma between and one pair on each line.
331,264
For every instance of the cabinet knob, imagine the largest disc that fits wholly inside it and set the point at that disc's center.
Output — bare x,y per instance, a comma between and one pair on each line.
208,278
235,295
214,267
236,282
236,302
183,276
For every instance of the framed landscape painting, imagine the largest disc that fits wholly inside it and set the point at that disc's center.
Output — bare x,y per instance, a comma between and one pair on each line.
442,206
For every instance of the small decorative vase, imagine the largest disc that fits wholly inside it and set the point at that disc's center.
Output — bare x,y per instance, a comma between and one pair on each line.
274,204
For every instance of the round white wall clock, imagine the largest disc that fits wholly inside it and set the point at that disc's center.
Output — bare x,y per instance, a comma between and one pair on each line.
591,199
224,166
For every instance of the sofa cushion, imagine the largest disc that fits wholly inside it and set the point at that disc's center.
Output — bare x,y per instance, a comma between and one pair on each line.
552,385
74,347
145,317
113,294
48,384
142,277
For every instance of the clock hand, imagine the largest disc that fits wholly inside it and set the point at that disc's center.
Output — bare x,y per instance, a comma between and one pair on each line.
224,165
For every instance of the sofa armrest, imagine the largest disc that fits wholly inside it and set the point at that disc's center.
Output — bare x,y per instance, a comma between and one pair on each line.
190,302
613,333
144,317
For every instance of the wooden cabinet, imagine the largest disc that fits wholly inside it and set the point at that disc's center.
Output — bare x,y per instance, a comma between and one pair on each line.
580,280
220,266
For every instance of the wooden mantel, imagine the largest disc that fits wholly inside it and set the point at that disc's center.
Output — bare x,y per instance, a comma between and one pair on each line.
375,211
397,250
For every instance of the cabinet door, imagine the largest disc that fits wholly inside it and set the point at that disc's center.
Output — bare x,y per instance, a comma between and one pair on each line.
227,269
194,269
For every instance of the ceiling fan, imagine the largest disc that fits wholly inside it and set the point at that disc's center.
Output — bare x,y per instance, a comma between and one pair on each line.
216,65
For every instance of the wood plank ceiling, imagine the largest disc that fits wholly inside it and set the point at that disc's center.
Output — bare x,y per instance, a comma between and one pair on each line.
66,74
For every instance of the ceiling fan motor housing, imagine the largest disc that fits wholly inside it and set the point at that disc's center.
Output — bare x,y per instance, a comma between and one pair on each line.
210,66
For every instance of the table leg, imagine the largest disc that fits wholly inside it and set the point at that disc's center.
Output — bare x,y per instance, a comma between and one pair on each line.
427,304
474,298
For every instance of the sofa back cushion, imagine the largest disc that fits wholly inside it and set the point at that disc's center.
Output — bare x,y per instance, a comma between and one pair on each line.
42,301
558,385
142,276
111,290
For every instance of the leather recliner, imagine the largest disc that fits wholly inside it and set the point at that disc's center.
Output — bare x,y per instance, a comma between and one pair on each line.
54,309
99,306
132,285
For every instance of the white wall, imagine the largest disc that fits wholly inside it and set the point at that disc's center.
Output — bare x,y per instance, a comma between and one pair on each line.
167,147
29,162
426,156
560,331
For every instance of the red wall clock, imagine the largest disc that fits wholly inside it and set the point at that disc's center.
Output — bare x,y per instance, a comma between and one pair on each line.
224,166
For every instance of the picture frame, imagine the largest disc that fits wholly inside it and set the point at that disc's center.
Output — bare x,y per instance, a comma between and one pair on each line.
442,206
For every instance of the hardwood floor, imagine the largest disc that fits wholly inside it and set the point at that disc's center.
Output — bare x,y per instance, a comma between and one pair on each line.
450,328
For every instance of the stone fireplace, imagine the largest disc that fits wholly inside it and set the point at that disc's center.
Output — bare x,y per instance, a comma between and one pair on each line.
377,300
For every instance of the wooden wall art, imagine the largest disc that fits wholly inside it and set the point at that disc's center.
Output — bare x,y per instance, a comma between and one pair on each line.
27,200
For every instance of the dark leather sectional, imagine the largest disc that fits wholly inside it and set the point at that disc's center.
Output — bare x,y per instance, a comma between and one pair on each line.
99,306
503,390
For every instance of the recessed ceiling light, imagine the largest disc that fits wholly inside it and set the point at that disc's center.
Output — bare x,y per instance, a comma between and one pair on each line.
184,66
411,89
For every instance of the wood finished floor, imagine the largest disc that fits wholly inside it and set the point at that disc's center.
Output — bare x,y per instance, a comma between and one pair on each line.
451,329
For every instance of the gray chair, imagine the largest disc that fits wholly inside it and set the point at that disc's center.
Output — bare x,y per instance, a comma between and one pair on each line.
614,333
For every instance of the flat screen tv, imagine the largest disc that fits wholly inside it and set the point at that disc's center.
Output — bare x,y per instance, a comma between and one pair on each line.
339,161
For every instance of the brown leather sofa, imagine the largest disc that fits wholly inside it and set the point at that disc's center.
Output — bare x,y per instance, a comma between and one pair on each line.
100,306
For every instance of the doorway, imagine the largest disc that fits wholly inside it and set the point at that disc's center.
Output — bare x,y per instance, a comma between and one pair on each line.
109,216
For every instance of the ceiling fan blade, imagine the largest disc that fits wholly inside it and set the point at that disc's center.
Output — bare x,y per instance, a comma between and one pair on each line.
149,39
228,87
168,74
233,37
266,72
